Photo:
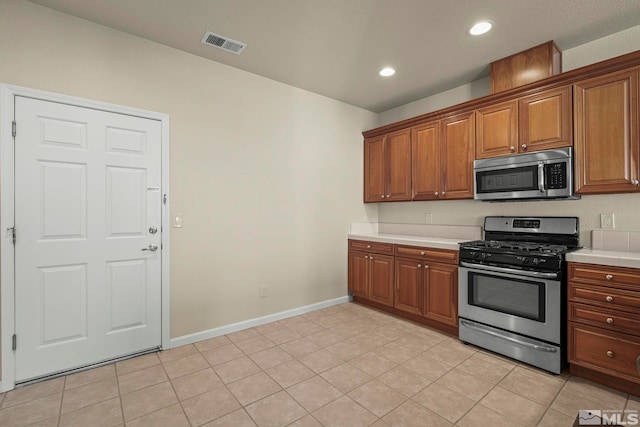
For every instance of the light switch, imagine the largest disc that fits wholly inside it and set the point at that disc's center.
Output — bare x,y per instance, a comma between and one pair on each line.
177,221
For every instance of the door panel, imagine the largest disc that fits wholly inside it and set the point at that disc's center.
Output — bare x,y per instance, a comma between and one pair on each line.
358,274
606,132
427,177
375,171
408,295
441,293
458,136
381,287
398,146
545,120
87,189
497,130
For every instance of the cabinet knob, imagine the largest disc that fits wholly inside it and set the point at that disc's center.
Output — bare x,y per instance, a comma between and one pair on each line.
610,353
436,193
609,320
366,257
443,193
634,181
368,246
371,258
608,277
422,253
609,298
419,265
513,149
388,195
524,147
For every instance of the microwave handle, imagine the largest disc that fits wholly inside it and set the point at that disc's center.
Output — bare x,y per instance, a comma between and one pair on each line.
541,177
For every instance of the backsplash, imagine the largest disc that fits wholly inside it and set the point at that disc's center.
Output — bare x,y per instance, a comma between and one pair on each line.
609,240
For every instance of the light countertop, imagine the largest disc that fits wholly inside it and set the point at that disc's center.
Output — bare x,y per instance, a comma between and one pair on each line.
401,239
605,257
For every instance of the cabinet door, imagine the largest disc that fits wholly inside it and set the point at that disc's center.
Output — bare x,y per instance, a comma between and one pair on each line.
441,293
381,279
358,283
458,141
425,156
374,169
398,148
497,130
606,133
545,120
408,295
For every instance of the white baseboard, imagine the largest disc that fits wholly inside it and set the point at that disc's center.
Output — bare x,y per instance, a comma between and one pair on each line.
245,324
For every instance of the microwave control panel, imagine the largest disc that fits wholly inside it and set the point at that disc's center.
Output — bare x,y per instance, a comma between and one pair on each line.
555,175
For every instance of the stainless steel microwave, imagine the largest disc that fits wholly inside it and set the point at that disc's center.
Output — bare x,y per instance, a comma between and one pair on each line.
539,175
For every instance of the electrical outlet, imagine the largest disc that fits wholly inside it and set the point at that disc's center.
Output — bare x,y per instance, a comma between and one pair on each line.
177,221
264,291
607,221
428,218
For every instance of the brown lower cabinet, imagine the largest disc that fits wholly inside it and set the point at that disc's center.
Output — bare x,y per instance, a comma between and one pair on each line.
420,284
604,325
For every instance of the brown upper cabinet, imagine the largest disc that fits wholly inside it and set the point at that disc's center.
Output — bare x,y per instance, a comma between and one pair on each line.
387,166
497,130
541,121
607,149
442,157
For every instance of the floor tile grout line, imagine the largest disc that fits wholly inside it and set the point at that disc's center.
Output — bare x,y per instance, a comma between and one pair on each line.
120,394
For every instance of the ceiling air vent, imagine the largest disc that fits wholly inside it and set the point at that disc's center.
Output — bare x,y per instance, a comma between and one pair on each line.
223,42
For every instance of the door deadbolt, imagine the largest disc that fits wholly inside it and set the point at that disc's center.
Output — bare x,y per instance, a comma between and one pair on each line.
153,230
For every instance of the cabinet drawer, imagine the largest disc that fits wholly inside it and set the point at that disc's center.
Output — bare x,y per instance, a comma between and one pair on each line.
608,298
610,319
440,255
600,274
376,247
602,349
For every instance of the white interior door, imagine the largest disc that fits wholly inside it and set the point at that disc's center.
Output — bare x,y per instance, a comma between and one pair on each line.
87,201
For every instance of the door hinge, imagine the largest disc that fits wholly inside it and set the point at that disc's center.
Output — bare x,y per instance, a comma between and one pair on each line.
13,234
164,199
13,128
14,342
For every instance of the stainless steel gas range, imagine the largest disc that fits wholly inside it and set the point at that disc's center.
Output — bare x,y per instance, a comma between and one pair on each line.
512,288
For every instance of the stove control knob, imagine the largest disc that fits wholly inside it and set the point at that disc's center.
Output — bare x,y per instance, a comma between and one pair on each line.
536,261
483,255
525,260
475,255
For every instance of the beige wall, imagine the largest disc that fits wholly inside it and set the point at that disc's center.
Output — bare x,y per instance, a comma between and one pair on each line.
267,176
626,207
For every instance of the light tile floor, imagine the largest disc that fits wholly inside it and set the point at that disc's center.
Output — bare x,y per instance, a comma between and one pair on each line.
345,365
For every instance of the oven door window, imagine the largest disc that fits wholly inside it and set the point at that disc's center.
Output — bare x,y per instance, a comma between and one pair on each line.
504,180
518,297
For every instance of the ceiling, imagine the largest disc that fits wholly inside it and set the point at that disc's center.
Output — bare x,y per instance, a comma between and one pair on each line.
336,47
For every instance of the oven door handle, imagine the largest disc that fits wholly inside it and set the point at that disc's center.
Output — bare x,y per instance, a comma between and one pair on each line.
511,339
541,177
538,274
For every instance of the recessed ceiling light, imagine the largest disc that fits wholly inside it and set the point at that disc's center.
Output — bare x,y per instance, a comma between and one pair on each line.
480,28
387,72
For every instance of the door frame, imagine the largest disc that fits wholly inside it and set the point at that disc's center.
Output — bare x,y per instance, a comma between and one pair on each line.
7,211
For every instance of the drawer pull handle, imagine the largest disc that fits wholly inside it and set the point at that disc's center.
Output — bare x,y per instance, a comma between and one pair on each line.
608,277
609,320
610,353
609,298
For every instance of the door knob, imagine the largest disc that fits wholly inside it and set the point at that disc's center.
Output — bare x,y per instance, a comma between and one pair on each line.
153,230
151,248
